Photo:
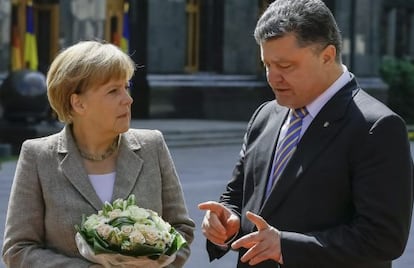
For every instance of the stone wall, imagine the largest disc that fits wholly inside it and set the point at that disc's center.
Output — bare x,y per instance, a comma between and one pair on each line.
166,36
240,52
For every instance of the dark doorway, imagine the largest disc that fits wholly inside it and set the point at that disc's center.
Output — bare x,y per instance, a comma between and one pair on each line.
211,35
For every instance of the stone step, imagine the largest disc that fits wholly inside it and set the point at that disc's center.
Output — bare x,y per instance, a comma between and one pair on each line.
203,139
187,133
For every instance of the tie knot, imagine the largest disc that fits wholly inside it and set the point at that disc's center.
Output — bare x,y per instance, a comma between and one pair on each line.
299,113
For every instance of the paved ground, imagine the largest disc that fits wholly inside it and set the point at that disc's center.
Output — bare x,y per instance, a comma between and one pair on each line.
203,171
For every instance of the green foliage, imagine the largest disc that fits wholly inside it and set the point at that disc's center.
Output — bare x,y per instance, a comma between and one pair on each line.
411,135
8,158
399,75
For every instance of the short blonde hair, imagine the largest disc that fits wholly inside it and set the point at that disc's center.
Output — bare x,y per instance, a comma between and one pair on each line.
80,67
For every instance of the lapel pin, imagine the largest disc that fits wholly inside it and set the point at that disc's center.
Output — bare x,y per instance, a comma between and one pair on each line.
326,124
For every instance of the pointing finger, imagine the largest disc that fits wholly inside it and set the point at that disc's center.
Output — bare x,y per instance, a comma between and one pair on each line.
260,223
213,206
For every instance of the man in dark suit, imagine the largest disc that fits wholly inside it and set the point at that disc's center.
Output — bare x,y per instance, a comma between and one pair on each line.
324,177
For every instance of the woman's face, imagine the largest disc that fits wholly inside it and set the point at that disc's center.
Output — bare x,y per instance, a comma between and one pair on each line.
107,108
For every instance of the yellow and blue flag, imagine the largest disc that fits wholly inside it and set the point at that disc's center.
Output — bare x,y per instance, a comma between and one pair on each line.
125,30
30,45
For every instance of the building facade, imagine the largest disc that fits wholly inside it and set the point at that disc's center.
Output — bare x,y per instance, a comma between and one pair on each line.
201,58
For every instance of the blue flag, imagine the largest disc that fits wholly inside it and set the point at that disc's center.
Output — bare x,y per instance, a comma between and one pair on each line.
125,30
30,44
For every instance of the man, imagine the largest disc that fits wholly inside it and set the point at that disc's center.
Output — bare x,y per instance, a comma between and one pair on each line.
324,177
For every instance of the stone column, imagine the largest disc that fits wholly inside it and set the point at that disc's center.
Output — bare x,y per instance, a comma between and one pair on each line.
366,42
166,36
240,52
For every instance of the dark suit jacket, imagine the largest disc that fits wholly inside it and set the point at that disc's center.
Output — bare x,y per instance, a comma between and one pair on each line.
51,191
345,197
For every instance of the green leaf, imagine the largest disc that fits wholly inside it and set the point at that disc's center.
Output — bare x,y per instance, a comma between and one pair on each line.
96,242
144,250
178,242
121,221
118,203
98,248
131,200
107,208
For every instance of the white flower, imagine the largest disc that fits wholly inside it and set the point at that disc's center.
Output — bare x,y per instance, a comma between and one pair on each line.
166,237
125,227
114,213
104,230
151,234
136,213
92,222
137,237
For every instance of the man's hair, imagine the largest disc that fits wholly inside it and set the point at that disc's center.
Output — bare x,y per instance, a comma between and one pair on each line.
310,21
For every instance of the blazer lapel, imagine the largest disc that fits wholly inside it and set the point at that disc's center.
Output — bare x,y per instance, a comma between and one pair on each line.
320,133
129,166
264,155
74,170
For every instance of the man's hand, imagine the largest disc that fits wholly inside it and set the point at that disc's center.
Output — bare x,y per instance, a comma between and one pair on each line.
263,244
219,223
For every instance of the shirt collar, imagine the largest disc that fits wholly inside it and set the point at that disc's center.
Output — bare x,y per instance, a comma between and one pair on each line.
315,106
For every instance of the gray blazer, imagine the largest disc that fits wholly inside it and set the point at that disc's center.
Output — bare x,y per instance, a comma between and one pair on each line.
51,191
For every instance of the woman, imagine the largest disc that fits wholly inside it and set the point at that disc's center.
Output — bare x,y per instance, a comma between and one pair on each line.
95,158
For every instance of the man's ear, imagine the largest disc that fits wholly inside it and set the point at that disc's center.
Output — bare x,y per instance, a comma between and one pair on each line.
329,54
76,103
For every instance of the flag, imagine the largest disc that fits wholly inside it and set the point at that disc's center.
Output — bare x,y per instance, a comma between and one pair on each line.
30,46
16,52
125,30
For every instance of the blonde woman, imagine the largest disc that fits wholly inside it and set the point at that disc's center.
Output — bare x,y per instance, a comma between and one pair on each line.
95,158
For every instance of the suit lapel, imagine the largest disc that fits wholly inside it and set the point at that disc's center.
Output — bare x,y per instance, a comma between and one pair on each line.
264,155
74,170
129,166
325,126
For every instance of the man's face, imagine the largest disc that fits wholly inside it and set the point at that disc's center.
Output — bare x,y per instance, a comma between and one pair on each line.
297,75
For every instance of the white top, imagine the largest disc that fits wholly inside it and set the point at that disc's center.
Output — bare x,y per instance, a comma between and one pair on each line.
103,185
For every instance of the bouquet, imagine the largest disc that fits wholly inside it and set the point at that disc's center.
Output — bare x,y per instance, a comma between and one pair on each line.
124,234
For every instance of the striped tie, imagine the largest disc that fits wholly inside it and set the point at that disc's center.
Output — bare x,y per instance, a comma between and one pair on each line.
287,146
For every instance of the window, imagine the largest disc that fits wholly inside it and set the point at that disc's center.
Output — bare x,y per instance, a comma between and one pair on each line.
397,28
